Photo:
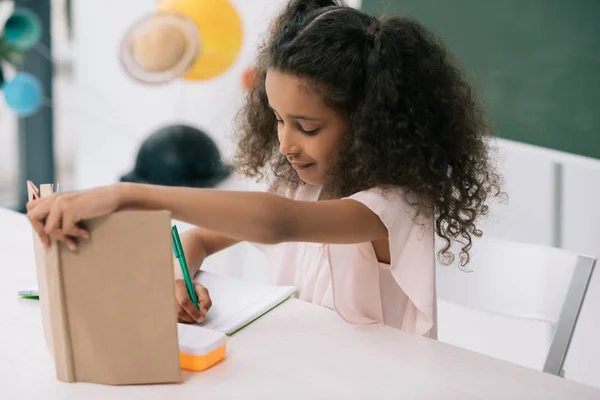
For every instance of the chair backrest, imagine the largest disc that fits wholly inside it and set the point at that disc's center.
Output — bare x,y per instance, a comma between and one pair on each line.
522,281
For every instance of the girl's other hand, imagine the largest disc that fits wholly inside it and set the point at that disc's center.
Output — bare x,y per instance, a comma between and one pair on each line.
58,215
186,310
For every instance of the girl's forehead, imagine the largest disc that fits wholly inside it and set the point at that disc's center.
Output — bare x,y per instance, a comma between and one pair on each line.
289,91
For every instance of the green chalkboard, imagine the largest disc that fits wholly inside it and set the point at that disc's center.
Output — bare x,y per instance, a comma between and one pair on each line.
535,63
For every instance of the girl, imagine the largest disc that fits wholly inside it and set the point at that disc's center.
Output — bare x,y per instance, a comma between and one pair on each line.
375,143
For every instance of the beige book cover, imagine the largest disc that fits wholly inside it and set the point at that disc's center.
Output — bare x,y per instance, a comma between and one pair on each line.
109,309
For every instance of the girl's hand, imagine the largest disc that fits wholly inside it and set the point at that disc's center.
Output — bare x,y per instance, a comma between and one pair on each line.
186,310
59,214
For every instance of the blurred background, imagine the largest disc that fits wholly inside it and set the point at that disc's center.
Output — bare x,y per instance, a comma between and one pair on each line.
99,94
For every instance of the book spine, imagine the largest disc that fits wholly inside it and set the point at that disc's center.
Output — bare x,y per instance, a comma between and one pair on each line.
40,267
57,300
65,366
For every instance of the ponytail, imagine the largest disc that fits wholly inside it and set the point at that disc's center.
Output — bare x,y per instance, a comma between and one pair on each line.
374,61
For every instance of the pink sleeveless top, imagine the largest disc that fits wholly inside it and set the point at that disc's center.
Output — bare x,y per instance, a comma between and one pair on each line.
349,279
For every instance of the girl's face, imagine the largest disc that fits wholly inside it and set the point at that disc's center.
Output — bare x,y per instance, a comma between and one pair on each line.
309,132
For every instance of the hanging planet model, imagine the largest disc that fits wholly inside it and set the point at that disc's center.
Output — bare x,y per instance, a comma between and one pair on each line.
190,39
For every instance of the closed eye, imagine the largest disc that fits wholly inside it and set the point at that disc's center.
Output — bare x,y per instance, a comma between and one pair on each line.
309,133
300,128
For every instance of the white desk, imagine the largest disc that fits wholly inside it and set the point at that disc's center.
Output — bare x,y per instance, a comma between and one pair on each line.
297,351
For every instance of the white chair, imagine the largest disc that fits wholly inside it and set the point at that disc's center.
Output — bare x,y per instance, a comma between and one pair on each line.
518,302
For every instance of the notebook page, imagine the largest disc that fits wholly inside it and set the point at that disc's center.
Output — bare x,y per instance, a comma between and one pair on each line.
236,303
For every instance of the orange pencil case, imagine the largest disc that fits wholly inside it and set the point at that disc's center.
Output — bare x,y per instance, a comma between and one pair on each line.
200,348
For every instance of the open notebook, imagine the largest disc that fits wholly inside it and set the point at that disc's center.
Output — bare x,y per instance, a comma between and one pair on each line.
237,303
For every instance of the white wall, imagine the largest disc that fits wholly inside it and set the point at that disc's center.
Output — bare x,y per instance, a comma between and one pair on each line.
114,114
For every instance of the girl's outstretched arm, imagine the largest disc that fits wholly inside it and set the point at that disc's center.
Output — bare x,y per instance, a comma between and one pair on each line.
260,217
243,216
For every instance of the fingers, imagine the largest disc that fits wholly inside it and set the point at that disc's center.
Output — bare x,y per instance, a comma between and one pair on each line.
38,227
191,309
54,218
70,242
204,300
183,299
50,216
32,204
71,229
183,316
37,213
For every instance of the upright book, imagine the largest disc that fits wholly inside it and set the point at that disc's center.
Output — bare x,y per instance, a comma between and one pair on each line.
109,309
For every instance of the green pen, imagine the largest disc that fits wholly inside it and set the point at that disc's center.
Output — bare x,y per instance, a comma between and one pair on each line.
178,250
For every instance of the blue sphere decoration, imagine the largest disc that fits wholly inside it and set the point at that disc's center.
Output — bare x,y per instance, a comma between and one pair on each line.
23,94
23,29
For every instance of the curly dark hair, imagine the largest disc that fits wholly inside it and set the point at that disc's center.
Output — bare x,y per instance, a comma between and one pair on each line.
413,121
